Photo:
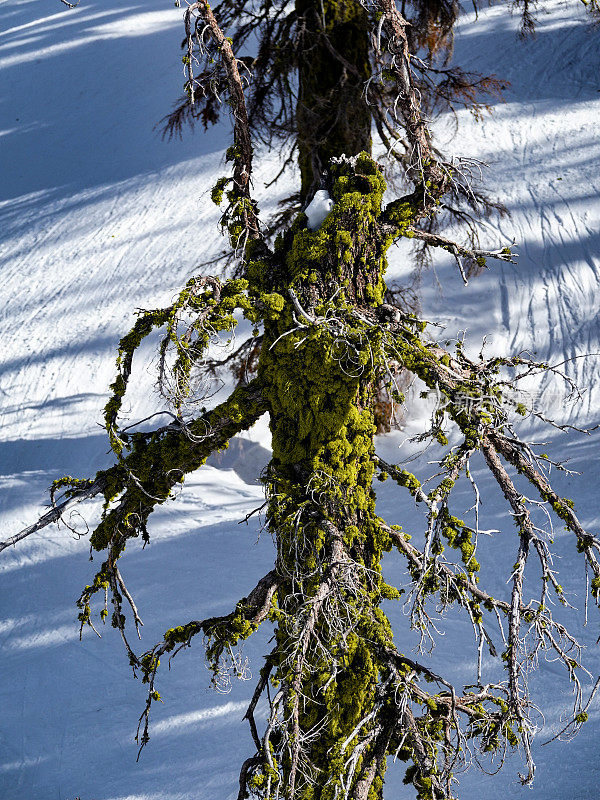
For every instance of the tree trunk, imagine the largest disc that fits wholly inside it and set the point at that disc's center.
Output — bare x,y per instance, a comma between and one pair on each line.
319,380
333,117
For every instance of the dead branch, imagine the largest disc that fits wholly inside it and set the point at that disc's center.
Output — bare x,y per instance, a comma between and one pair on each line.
55,514
242,154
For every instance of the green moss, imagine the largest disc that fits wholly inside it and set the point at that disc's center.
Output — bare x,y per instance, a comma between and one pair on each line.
405,478
218,189
402,213
73,486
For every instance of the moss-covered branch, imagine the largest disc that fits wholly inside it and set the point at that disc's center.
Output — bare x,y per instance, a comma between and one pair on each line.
157,462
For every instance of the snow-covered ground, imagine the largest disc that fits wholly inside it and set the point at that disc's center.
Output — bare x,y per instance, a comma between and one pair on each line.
99,216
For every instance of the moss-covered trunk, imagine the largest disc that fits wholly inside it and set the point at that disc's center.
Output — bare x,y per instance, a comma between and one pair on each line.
333,117
321,381
319,378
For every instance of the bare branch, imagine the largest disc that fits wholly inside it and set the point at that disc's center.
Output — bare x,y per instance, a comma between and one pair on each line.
55,514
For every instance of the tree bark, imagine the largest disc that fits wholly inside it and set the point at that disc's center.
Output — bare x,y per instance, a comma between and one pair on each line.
333,117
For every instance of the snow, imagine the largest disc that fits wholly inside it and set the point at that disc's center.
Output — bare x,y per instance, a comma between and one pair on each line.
99,216
318,209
